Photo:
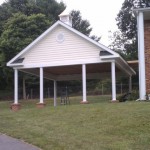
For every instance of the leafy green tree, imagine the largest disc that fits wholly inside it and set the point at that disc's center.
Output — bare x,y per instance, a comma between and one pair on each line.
4,15
19,31
50,8
79,24
96,38
82,25
123,46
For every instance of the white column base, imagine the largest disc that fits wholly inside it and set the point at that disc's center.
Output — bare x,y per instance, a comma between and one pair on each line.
84,102
40,105
114,101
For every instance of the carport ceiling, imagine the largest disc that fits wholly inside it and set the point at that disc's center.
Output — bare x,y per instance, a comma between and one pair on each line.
75,69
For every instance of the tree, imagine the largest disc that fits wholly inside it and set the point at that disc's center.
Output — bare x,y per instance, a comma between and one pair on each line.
126,22
82,25
96,38
19,31
79,24
50,8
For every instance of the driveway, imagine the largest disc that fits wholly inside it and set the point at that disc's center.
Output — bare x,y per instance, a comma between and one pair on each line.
9,143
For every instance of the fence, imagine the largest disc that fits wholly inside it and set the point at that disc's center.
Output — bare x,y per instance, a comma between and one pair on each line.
102,89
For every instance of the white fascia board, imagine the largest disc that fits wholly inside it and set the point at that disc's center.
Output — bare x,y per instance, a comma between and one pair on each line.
141,9
108,57
65,63
33,43
123,69
15,65
123,65
126,64
137,10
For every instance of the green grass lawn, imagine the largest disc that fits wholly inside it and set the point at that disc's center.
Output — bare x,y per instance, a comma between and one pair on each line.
100,125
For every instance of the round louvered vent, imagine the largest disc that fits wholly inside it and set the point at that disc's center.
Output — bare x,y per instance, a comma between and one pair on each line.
60,37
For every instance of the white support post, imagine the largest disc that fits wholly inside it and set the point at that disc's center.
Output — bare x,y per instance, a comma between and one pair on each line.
16,86
84,83
55,93
130,84
139,54
141,51
113,78
41,85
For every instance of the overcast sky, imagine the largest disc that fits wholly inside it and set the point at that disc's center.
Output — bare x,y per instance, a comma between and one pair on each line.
100,13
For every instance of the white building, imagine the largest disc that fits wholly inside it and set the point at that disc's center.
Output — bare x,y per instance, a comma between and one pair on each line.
63,53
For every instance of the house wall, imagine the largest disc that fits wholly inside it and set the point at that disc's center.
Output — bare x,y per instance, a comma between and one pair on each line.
73,48
147,53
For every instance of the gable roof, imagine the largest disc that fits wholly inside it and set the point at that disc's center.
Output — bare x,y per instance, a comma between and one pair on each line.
26,49
106,55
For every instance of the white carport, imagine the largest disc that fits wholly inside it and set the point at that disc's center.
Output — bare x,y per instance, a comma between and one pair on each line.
62,53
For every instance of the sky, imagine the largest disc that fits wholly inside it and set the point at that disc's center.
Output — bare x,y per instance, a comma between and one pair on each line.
100,13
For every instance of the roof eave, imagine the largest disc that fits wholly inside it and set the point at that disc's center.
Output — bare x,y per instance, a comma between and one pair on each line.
123,64
108,57
137,10
141,9
132,72
15,65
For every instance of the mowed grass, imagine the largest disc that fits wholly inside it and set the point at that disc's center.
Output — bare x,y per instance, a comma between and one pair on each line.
100,125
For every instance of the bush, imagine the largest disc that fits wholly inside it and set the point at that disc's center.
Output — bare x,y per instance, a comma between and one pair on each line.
133,96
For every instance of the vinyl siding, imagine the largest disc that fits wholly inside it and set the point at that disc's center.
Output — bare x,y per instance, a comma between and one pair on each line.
73,48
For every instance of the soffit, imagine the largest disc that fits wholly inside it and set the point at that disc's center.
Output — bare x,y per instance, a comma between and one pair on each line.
147,15
134,64
76,69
